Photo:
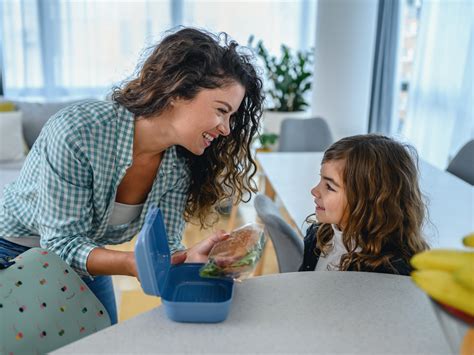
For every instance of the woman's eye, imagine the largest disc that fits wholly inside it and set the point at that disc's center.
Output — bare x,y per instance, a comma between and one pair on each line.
329,187
223,111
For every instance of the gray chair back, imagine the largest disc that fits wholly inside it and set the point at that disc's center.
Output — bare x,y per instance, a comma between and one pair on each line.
304,135
462,164
289,246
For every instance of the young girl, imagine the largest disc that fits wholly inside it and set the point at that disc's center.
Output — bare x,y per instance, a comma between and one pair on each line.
369,208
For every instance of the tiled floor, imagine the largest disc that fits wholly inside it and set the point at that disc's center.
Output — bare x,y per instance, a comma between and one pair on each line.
130,298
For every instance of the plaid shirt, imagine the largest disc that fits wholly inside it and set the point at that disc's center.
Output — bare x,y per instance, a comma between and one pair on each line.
67,186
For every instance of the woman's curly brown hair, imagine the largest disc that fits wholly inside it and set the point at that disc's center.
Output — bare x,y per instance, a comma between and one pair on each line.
183,64
385,211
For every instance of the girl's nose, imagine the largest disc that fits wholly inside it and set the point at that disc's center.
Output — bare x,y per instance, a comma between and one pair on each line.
315,192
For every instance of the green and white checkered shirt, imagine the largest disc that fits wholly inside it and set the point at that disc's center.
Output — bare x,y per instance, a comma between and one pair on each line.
67,186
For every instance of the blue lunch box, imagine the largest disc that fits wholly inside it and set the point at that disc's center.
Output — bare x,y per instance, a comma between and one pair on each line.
186,296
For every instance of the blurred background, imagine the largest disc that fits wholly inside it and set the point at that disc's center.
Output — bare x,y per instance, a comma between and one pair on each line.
398,67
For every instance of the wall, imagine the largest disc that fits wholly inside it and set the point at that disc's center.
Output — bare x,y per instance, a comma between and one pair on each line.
345,38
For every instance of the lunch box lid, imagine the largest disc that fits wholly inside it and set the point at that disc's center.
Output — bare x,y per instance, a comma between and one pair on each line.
152,253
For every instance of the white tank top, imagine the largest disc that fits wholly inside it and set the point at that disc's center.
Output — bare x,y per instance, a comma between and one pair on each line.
122,213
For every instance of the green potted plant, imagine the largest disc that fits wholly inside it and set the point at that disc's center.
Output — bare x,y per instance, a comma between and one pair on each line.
267,141
289,79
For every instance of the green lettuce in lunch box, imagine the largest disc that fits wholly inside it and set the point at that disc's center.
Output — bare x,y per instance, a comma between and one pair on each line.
237,256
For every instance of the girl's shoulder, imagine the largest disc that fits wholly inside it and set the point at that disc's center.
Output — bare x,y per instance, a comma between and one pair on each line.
397,266
311,231
401,266
310,254
310,237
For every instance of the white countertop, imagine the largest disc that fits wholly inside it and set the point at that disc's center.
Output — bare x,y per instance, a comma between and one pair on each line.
316,312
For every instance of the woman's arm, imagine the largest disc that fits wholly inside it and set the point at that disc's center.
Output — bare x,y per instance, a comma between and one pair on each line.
103,261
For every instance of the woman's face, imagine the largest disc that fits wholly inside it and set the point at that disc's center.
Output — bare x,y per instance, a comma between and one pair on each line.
202,120
330,195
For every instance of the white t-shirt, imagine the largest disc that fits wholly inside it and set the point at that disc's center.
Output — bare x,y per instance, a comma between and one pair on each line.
331,261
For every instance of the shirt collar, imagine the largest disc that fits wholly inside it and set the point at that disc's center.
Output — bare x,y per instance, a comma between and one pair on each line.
337,234
125,132
169,160
337,239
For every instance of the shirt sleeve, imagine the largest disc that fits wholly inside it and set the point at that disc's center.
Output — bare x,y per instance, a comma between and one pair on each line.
65,206
172,205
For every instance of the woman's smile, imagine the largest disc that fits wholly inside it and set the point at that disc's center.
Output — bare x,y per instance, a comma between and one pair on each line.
208,138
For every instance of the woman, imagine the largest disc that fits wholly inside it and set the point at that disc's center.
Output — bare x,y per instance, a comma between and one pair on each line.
172,137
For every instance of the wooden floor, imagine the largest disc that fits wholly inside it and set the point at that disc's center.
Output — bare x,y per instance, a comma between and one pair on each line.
130,298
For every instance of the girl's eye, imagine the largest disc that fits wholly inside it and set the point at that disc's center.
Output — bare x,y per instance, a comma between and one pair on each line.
329,187
223,111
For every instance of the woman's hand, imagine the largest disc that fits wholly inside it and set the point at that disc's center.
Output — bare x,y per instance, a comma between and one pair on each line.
199,252
179,257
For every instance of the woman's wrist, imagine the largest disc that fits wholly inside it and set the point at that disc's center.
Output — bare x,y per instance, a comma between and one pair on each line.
131,264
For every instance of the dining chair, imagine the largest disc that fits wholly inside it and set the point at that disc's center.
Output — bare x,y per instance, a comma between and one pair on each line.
462,164
304,135
289,246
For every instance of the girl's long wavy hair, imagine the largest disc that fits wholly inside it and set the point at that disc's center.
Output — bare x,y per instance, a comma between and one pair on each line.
385,211
183,64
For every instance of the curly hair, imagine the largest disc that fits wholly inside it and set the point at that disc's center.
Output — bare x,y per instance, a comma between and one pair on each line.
180,66
385,211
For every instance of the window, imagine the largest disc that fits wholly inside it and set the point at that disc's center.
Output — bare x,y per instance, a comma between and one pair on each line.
439,110
410,24
63,48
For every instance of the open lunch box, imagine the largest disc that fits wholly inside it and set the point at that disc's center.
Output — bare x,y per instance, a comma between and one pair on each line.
186,296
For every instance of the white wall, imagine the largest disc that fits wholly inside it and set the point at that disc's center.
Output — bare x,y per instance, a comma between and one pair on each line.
345,38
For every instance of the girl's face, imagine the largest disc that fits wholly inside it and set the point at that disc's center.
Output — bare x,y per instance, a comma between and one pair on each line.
206,117
330,195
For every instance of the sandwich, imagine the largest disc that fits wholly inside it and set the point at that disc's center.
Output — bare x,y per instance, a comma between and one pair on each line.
236,256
